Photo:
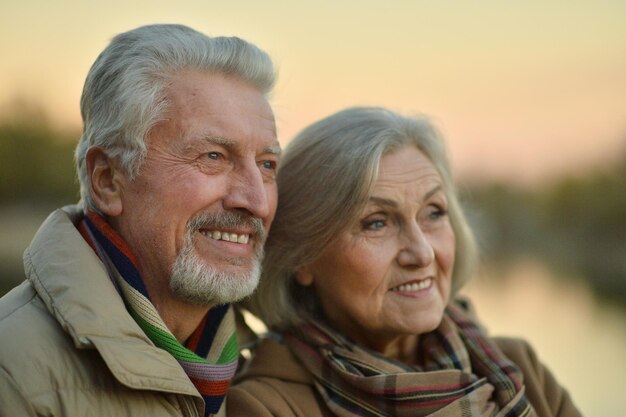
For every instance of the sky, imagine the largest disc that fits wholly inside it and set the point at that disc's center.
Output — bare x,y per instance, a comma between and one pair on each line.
522,91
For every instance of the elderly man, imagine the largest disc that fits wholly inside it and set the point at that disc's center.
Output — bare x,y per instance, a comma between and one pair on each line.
125,308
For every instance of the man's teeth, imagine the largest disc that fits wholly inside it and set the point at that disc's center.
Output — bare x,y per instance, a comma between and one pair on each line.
228,237
415,286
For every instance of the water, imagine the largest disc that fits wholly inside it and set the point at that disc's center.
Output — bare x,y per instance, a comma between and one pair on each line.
579,338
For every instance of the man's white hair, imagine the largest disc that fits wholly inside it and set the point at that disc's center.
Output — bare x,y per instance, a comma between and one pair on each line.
124,93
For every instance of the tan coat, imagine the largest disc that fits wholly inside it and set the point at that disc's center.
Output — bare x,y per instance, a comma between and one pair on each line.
68,347
275,384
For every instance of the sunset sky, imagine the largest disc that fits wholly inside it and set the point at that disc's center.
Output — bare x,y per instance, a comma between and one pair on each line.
522,91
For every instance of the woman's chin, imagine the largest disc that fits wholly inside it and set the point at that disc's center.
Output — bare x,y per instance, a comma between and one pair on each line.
424,323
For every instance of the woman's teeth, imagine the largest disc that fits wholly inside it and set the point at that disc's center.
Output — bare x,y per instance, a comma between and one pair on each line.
228,237
414,286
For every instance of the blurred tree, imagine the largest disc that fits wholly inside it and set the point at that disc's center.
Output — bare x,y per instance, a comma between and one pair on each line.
36,163
586,218
36,175
576,225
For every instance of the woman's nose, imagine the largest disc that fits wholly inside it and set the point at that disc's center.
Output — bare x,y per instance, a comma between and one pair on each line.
416,250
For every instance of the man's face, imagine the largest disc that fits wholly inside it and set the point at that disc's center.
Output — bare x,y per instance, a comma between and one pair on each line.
197,214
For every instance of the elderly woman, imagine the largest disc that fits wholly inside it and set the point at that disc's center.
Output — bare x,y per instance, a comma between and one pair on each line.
367,250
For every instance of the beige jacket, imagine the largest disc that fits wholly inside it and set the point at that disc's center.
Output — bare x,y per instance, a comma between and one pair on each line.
68,347
275,384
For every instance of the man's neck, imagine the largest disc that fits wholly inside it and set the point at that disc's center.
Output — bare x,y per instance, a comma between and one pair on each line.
180,318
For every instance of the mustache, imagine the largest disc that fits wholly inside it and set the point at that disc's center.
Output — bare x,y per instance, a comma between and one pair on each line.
227,220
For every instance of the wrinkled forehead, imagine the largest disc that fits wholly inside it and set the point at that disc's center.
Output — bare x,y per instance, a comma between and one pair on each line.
213,106
405,163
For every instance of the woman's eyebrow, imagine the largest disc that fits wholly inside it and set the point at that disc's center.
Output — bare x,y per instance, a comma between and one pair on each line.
432,192
383,201
392,203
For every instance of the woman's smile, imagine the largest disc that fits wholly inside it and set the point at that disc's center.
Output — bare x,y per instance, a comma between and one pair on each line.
389,275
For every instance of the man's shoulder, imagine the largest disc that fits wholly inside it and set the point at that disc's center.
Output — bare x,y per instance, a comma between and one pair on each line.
26,324
22,313
44,372
16,299
32,342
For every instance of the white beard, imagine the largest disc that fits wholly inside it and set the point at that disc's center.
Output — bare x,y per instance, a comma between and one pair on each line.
196,282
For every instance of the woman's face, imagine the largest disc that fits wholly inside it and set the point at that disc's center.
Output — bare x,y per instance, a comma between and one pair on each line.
389,274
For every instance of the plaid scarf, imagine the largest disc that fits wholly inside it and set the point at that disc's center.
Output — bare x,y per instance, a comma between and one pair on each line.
461,373
209,356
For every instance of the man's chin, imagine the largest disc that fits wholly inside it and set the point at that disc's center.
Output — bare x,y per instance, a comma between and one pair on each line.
206,285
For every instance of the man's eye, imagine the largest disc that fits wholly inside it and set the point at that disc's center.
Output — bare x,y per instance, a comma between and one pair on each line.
269,165
213,155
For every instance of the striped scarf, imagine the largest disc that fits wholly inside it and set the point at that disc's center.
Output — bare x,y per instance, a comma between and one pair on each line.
209,357
461,373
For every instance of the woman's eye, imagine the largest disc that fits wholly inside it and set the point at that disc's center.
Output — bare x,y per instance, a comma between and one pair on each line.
373,224
435,213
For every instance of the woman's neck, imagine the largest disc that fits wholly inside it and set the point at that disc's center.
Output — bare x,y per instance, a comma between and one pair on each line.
403,349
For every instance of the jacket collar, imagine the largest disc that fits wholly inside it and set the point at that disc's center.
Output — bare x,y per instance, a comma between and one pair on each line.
74,285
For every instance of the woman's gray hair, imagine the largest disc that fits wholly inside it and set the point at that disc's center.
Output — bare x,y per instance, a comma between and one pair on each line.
125,91
325,179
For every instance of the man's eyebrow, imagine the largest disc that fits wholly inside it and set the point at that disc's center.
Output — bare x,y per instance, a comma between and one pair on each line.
218,140
274,149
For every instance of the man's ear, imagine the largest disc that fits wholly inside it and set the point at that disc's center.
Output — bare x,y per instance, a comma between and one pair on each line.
304,276
105,180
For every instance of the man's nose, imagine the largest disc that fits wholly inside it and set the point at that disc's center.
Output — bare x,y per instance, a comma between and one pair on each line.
247,191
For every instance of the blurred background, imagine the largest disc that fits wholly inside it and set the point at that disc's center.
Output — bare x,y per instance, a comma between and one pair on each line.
531,97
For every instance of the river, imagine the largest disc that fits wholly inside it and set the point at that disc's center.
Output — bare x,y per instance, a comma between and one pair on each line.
579,337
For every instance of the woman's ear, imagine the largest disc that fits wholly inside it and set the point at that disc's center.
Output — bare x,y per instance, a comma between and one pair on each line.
105,181
304,276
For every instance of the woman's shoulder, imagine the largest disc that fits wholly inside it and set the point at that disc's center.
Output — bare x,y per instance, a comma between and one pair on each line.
271,358
543,391
274,383
518,350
